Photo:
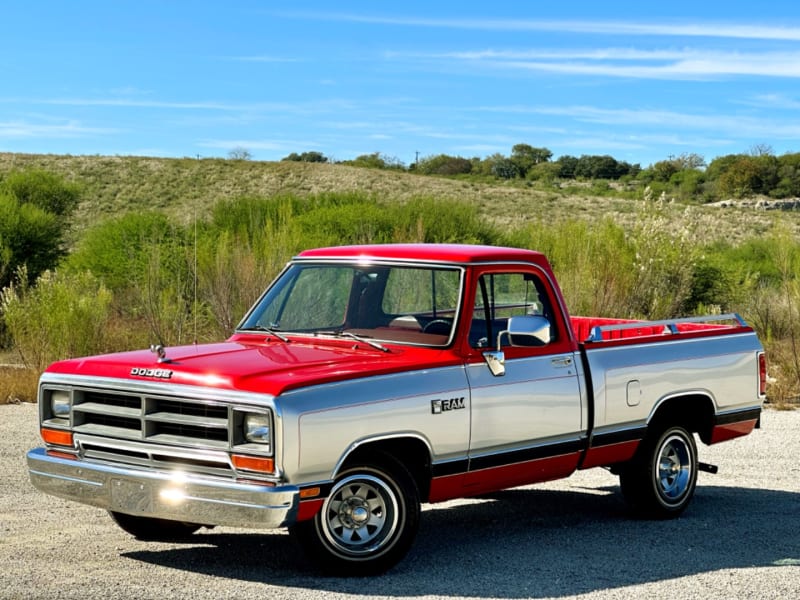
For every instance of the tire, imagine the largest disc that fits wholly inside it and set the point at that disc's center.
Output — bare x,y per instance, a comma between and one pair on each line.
366,524
660,480
149,529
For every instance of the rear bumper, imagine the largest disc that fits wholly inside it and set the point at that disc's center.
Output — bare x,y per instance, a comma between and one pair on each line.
163,495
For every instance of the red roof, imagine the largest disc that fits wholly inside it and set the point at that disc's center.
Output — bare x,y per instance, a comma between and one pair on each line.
452,253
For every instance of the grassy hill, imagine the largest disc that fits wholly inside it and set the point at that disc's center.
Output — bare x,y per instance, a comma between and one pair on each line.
597,275
186,187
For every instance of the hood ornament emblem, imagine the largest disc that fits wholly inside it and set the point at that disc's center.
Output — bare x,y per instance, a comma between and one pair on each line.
158,349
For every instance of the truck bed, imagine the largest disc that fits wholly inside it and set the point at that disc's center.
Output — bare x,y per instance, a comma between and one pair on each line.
602,329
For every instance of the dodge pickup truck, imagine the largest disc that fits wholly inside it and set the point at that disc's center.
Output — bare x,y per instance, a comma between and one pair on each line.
368,380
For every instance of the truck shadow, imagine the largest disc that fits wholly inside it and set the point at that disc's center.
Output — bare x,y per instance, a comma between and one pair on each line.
529,543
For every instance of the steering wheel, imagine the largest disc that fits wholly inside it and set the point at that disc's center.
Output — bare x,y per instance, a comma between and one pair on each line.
430,324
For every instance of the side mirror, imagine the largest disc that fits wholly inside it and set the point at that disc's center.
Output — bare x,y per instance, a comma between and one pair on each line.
526,330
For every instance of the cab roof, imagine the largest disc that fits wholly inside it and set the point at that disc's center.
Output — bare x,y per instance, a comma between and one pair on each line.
446,253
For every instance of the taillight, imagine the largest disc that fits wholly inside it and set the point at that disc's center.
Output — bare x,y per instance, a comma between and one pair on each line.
762,374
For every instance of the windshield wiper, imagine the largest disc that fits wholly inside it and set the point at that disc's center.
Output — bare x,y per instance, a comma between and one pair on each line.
353,336
358,338
270,330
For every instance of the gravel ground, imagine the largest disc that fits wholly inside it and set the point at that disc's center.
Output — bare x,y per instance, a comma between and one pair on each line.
740,538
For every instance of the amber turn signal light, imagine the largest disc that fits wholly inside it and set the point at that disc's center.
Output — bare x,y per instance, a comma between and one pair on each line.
252,463
57,437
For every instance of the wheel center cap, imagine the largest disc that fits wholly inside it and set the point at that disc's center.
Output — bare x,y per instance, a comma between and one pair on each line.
359,515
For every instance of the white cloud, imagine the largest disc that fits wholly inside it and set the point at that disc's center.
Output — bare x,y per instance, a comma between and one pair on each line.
670,64
773,101
735,126
21,129
612,28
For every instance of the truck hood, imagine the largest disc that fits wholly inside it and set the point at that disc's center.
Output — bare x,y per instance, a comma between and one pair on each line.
270,366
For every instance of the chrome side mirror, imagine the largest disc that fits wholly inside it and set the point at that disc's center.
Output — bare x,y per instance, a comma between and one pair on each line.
524,330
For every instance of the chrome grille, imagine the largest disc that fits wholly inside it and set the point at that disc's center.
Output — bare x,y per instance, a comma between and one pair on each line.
154,425
163,420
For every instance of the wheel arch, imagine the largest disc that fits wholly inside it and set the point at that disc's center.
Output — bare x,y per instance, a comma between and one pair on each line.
411,450
693,410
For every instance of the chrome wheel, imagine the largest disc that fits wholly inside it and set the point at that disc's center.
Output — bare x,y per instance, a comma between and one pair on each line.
368,521
674,469
360,515
660,480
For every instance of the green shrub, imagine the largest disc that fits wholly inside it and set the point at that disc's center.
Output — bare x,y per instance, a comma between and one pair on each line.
63,316
29,237
593,263
45,190
440,221
119,250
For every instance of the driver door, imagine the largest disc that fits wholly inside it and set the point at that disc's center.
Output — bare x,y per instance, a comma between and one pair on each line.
526,423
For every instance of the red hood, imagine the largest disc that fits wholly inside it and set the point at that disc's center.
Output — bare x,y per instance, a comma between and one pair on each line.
269,366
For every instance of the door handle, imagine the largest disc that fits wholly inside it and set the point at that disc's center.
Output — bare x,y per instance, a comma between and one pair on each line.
562,361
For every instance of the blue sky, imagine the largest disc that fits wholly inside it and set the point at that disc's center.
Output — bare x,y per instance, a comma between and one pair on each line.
640,81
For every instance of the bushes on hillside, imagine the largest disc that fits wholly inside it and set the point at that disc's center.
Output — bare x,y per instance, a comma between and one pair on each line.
34,210
142,278
63,316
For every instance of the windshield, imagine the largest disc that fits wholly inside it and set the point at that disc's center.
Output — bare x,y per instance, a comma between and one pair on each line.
413,305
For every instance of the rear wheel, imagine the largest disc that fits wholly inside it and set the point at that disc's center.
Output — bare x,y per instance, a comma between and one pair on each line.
368,522
149,529
661,479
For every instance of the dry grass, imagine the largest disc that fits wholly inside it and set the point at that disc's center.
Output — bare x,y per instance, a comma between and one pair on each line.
187,187
18,384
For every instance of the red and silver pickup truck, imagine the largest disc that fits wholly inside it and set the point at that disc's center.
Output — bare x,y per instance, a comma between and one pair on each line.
370,379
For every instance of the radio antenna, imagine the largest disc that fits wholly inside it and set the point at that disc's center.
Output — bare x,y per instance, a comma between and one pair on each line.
194,310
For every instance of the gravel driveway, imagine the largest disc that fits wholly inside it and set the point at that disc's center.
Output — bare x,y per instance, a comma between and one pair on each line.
740,538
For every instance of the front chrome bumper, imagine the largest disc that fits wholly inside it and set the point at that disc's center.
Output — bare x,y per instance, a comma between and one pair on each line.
164,495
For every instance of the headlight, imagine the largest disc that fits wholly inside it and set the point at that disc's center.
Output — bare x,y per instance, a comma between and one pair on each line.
59,404
257,428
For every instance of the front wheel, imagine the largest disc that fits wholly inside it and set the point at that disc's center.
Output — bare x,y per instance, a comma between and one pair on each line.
368,522
660,480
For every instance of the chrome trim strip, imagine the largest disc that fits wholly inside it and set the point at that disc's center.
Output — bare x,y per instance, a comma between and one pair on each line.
160,388
596,333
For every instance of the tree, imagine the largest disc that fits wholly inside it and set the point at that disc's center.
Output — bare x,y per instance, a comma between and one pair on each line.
525,156
29,237
741,175
45,190
505,169
789,176
376,160
240,153
35,207
443,164
312,157
567,166
663,170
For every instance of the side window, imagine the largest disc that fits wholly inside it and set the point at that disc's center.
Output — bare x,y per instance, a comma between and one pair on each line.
500,296
421,291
